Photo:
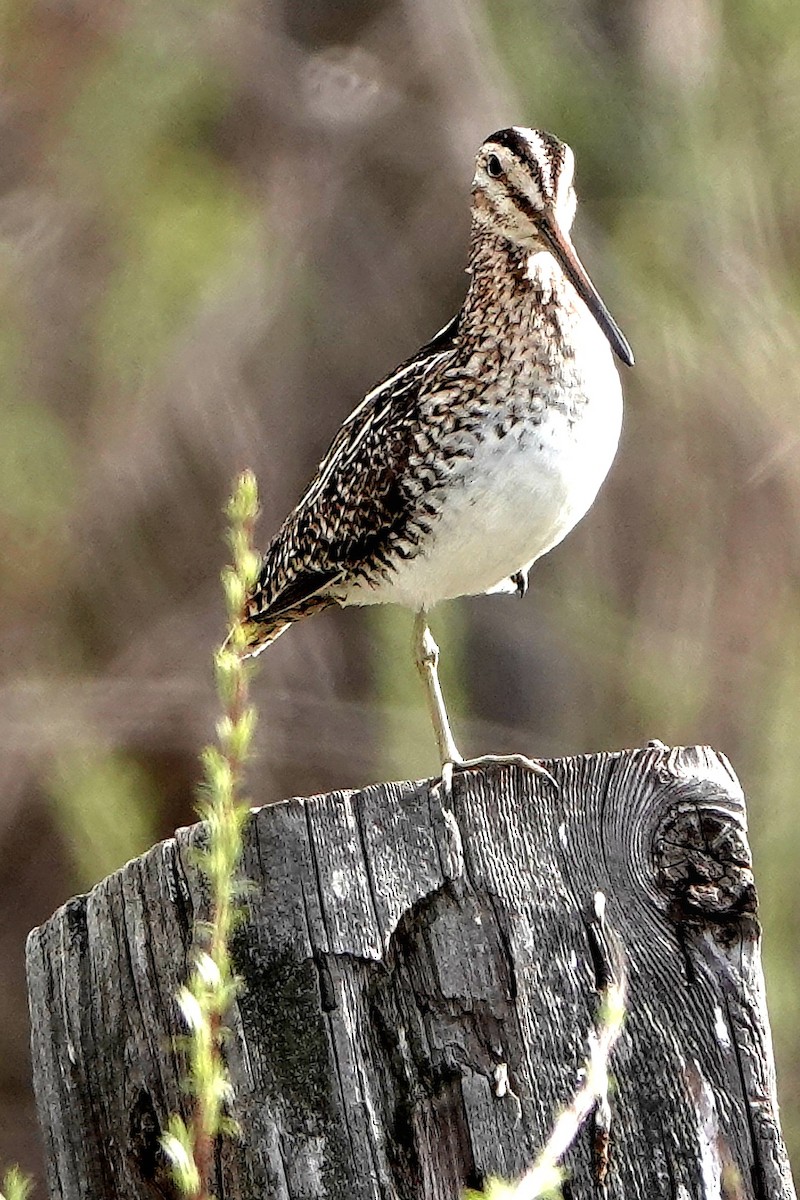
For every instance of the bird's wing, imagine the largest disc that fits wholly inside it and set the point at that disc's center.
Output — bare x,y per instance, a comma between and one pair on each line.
297,593
354,504
392,395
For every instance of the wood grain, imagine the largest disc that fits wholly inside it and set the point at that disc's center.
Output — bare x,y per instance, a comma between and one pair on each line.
400,959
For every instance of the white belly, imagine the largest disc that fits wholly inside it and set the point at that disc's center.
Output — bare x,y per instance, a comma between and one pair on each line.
515,499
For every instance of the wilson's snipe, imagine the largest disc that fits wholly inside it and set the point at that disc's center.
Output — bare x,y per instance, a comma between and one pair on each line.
480,453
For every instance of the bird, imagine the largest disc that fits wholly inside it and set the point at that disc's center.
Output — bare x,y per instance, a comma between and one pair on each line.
479,453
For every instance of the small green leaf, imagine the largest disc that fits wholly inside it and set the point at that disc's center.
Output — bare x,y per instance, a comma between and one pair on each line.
16,1186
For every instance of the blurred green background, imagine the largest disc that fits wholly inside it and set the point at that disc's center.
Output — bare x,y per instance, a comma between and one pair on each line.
220,223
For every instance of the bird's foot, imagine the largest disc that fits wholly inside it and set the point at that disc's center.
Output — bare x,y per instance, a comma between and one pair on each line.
520,581
492,760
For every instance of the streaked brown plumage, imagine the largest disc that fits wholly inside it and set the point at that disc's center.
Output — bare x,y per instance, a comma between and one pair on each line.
478,454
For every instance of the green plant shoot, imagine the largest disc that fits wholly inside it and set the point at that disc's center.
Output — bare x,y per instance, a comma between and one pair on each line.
212,987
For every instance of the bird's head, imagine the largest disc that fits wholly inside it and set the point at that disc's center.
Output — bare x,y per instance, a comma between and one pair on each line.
523,192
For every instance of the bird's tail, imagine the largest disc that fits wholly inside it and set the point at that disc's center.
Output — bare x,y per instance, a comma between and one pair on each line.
263,630
260,634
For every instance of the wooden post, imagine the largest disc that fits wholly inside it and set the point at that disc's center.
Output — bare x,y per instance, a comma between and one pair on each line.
419,981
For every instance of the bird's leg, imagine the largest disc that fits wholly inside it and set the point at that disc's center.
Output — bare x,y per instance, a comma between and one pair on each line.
426,656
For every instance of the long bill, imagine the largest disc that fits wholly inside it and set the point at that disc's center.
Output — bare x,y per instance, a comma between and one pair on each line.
573,268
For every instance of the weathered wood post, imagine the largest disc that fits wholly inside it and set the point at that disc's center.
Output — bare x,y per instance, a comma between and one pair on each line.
419,981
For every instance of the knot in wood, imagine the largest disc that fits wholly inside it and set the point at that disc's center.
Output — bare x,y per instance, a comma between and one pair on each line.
702,861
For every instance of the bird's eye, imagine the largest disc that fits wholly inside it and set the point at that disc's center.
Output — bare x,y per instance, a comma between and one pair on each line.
494,167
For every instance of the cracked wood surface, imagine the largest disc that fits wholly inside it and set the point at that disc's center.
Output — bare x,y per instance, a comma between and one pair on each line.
418,984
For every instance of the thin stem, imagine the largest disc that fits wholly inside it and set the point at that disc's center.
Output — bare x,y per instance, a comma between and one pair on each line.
212,986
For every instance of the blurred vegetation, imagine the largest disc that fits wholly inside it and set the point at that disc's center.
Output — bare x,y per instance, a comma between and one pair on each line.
104,806
219,224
